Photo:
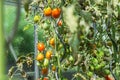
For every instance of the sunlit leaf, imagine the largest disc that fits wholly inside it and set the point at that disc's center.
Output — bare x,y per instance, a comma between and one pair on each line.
26,27
69,18
98,1
86,15
109,9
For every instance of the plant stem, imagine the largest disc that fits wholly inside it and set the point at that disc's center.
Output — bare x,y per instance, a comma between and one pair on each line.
2,50
60,38
59,68
12,51
56,75
58,57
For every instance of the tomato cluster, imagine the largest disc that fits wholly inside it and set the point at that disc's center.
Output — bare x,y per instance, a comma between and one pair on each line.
88,54
97,62
45,58
47,55
55,13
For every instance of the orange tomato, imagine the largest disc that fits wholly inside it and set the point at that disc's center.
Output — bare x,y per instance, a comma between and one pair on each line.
52,42
40,57
44,71
47,11
53,68
59,23
56,12
48,54
45,78
40,46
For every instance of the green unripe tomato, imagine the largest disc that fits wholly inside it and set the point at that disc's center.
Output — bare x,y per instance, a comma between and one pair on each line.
107,72
90,74
97,67
66,40
94,61
82,37
71,59
91,67
46,62
45,26
103,64
60,46
100,54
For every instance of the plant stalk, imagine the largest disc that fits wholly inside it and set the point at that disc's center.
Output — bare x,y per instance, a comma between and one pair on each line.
2,45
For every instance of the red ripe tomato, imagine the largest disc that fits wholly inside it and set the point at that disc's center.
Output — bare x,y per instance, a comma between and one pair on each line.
40,46
44,71
56,12
108,78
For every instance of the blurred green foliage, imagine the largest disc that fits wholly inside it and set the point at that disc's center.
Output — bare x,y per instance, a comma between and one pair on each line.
23,41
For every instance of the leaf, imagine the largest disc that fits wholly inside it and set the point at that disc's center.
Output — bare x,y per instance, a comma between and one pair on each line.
26,27
74,43
69,18
98,1
11,71
86,15
23,73
109,9
84,25
115,3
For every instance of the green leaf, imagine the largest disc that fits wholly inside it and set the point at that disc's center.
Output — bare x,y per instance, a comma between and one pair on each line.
26,27
69,18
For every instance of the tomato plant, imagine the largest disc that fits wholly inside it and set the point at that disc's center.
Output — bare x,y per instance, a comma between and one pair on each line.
87,42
